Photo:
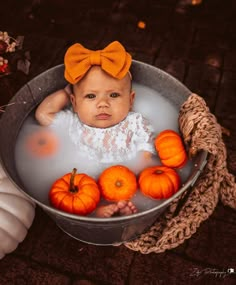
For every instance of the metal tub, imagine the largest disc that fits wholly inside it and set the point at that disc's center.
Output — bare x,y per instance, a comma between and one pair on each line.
100,231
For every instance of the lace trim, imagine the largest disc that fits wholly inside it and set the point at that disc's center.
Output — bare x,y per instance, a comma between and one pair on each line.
115,144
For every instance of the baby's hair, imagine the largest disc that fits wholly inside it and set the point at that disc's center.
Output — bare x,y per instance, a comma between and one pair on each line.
130,75
131,81
72,88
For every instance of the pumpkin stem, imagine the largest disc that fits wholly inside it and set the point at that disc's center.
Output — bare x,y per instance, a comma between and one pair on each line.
158,171
73,188
118,183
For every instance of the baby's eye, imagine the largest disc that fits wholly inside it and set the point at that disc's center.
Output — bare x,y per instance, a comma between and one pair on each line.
90,96
114,95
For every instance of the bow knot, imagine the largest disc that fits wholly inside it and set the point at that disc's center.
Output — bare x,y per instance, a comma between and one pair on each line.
95,57
113,59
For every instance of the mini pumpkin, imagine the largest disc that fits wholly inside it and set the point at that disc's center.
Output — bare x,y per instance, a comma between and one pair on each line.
17,213
159,182
75,193
42,143
117,183
171,149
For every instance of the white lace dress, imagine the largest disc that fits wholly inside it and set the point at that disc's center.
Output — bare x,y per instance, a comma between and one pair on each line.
108,145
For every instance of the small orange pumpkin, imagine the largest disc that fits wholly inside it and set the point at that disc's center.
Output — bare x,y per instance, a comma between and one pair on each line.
117,183
159,182
171,149
42,143
75,193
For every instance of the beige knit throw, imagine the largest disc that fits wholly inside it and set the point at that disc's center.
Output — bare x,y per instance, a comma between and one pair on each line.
180,221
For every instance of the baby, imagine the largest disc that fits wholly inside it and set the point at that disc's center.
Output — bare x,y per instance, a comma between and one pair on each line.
102,124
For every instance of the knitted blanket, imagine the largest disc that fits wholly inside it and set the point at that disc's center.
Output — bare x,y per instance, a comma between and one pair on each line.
181,220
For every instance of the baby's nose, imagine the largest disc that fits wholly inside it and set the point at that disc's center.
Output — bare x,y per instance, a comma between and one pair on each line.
103,102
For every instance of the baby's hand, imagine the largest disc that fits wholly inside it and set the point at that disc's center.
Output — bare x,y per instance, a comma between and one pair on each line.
146,155
145,159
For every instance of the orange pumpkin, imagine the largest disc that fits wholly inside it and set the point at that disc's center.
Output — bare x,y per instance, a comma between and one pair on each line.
42,143
75,193
159,182
171,149
117,183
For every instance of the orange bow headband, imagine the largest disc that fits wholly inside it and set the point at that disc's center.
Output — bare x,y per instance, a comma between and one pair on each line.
113,59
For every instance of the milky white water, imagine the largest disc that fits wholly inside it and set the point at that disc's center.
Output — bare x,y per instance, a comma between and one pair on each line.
38,174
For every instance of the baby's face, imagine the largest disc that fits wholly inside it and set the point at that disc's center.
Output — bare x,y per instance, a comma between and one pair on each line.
100,100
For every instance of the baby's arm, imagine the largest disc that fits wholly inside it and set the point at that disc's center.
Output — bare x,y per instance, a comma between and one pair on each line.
52,104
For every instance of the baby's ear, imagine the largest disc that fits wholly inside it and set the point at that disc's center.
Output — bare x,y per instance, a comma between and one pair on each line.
132,97
72,99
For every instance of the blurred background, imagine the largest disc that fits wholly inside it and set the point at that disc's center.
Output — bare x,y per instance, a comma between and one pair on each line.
193,40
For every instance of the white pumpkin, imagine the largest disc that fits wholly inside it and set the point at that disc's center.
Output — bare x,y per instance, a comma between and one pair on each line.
16,215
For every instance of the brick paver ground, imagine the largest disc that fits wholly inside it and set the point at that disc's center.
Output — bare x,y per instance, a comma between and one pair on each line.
194,43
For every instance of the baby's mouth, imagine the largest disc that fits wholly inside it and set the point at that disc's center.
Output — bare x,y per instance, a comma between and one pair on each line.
103,116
